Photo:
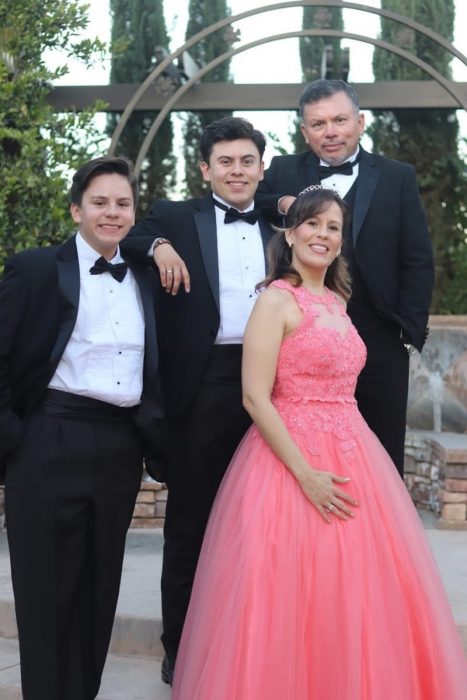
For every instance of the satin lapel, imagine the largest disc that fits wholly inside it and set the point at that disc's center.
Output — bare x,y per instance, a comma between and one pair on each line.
368,175
309,171
205,221
68,290
146,290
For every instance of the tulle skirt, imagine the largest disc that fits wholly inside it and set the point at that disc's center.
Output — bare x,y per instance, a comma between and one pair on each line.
288,607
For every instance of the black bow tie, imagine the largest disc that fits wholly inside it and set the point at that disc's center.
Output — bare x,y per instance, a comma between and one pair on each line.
342,169
251,217
118,271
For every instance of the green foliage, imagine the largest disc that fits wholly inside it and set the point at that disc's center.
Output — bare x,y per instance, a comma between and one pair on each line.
429,140
311,47
203,13
37,146
138,28
311,53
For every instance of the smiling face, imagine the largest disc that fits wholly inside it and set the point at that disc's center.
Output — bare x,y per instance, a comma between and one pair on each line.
332,128
317,241
106,212
234,171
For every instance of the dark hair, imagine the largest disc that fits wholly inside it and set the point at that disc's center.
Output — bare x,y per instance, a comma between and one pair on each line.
229,129
318,89
99,166
308,204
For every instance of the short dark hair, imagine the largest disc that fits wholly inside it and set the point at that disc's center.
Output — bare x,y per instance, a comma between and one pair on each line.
318,89
308,204
229,129
100,166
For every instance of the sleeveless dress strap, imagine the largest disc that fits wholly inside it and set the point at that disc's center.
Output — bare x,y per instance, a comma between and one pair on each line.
300,293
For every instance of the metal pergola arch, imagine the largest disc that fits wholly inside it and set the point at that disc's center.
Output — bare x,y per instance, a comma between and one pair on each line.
449,86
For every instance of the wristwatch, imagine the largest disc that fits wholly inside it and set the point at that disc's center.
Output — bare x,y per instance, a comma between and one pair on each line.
159,241
411,349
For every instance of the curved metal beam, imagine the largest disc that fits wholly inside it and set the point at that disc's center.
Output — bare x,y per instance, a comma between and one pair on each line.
448,85
342,4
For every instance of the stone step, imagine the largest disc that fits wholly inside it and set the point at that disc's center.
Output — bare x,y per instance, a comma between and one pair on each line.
124,678
131,635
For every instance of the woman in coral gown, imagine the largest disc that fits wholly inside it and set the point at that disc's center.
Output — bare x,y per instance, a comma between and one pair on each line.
315,580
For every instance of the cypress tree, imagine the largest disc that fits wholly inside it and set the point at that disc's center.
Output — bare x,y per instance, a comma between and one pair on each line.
203,13
139,35
428,139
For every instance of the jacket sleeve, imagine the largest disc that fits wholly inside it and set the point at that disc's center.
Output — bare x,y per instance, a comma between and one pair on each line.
269,191
138,243
416,277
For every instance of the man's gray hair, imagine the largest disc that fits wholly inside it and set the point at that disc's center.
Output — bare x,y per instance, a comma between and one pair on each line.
319,89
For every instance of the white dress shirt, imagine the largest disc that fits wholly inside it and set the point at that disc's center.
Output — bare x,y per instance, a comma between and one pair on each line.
104,356
341,183
241,266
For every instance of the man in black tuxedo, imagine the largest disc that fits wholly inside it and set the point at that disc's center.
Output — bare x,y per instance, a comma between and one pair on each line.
79,408
200,336
387,245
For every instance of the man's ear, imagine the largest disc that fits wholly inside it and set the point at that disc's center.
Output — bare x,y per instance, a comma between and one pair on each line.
361,123
205,172
261,177
75,211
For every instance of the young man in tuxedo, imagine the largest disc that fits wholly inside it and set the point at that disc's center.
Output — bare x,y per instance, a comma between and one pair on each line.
387,245
79,408
222,241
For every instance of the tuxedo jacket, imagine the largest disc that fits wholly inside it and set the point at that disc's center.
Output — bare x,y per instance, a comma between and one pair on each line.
187,323
39,296
390,236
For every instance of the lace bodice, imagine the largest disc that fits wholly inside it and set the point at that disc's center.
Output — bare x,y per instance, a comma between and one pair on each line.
318,366
322,358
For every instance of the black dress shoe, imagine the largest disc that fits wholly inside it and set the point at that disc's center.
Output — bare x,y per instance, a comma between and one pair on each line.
167,669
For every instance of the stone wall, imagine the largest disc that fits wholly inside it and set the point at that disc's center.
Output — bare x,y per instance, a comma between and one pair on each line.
150,505
420,475
436,475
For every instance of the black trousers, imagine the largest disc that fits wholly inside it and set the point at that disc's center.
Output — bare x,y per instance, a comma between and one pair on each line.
201,443
382,387
70,492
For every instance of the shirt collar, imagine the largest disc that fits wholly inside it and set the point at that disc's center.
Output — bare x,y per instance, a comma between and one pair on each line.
219,199
87,254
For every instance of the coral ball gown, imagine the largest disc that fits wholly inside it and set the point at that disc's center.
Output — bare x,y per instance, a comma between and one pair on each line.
288,607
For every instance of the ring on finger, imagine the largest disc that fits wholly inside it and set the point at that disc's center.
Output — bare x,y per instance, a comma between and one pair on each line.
169,272
329,507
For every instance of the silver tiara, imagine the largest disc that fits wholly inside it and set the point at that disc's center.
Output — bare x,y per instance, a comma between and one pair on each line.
310,188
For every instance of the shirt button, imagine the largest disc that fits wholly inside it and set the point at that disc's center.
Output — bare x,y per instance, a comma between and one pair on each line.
118,382
119,352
